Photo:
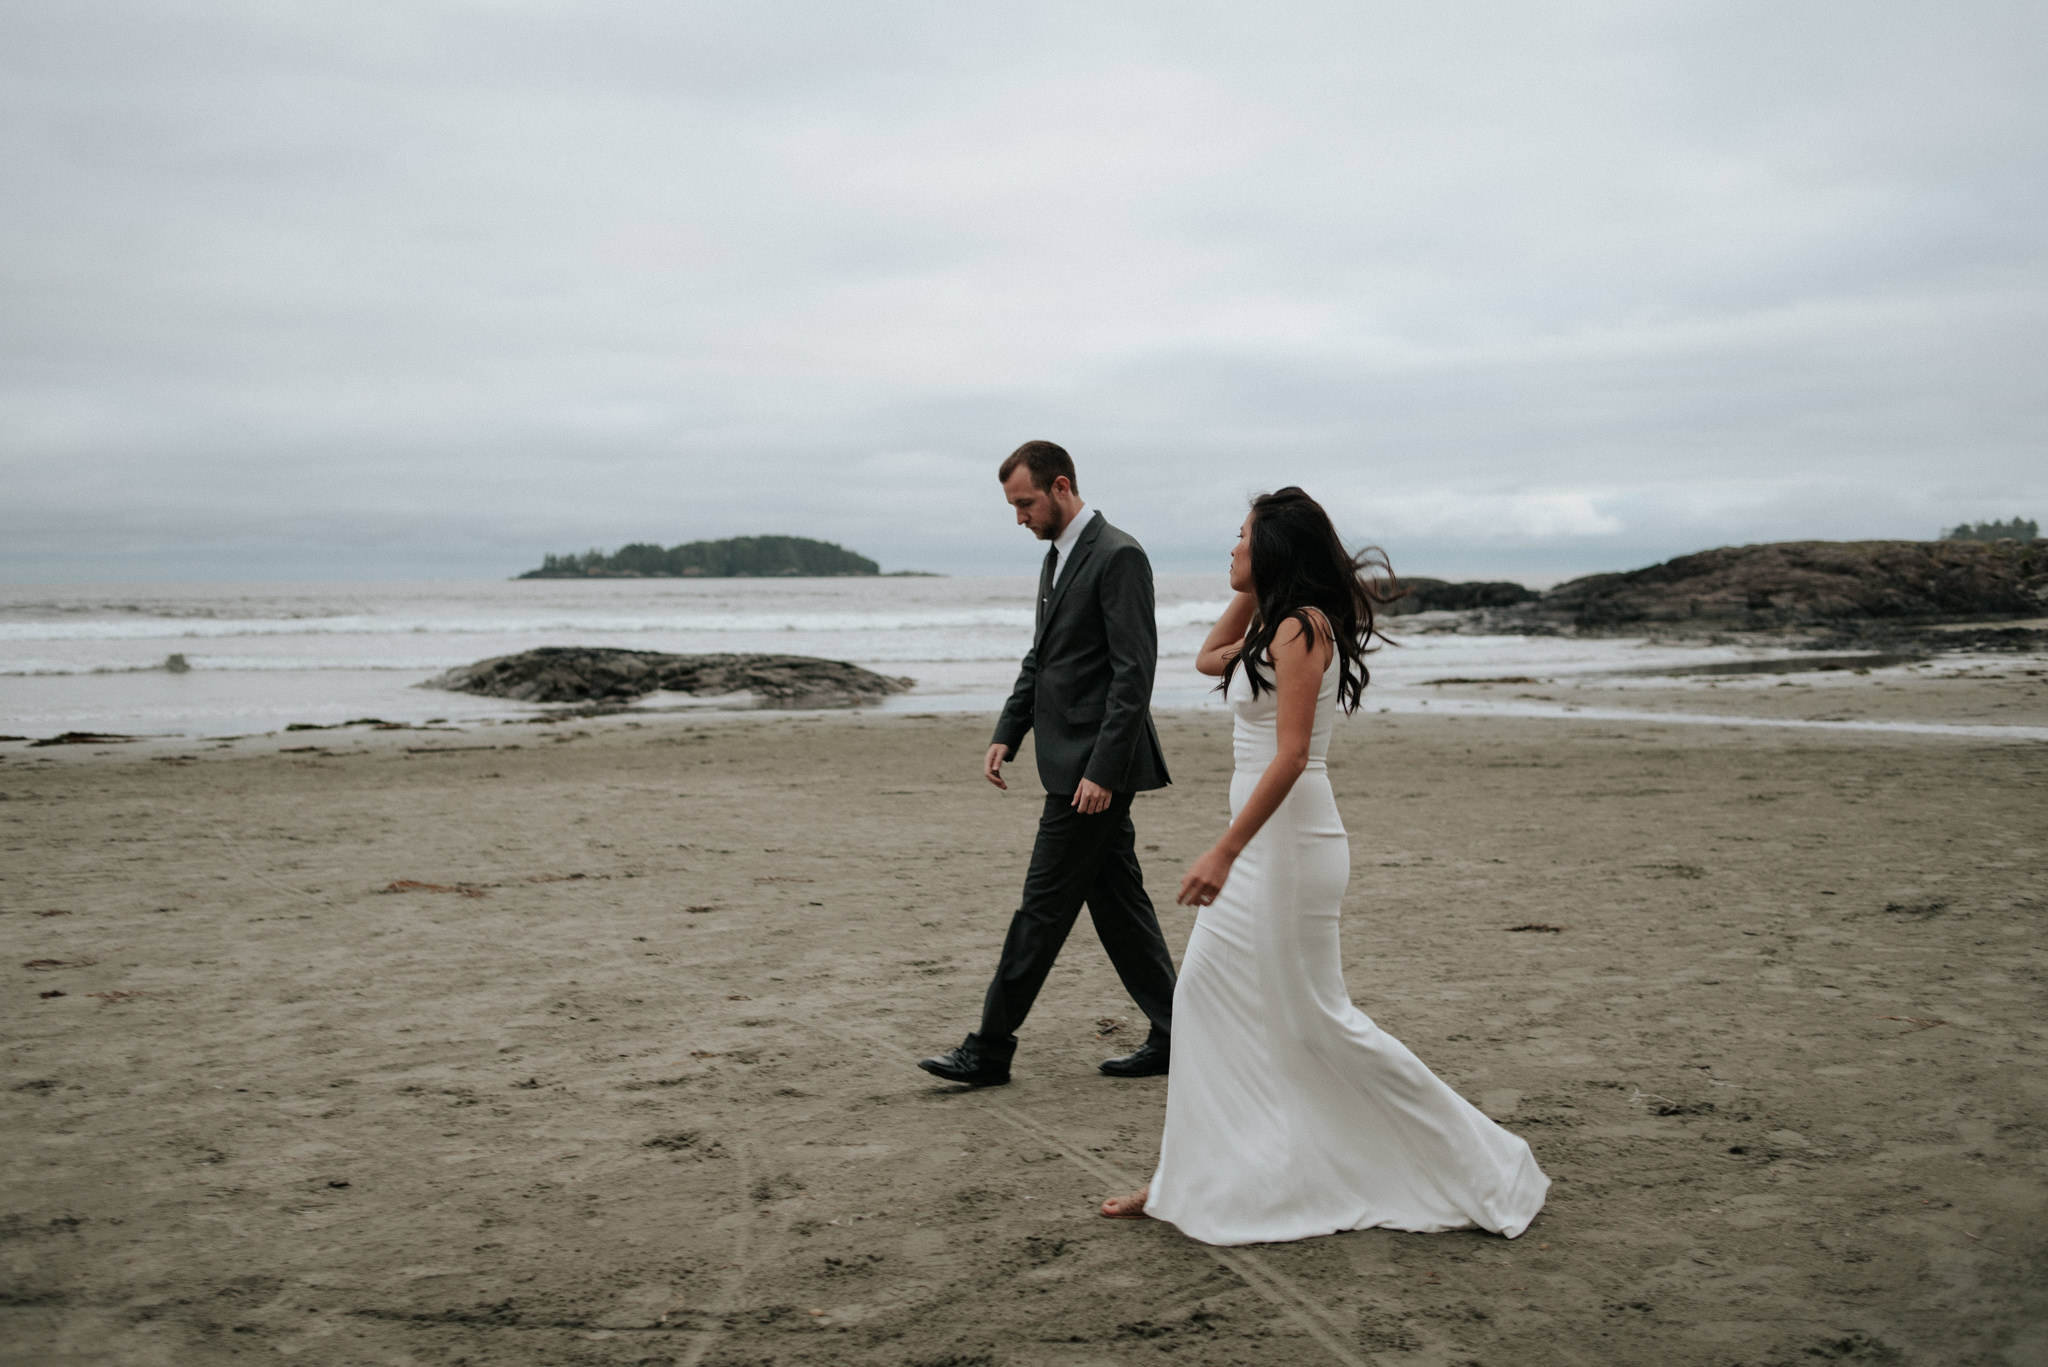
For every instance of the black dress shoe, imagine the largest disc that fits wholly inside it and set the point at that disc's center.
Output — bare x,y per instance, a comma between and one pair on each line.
1150,1060
967,1065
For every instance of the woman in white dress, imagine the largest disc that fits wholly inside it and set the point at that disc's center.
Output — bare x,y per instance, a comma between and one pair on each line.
1288,1112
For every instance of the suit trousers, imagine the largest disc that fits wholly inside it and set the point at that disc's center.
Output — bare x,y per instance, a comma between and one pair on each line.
1079,859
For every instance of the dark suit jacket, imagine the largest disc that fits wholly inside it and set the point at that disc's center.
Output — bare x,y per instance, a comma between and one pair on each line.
1086,685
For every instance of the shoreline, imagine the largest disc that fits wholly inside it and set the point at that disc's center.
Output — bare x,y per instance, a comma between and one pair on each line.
261,656
1964,696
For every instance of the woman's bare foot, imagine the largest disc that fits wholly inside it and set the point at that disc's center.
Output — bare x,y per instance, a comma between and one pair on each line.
1130,1207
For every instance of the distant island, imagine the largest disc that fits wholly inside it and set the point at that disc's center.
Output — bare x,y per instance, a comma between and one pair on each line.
734,558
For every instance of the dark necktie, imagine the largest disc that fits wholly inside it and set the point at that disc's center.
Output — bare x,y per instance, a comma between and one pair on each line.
1052,564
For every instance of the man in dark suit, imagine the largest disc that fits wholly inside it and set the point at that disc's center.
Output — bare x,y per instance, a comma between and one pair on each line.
1086,688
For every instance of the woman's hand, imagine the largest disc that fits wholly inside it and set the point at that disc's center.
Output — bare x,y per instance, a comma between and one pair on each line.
1205,878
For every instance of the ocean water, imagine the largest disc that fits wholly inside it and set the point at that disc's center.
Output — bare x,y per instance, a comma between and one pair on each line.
261,656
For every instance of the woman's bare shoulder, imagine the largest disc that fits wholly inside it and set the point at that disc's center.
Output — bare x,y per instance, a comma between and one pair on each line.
1301,643
1291,637
1293,633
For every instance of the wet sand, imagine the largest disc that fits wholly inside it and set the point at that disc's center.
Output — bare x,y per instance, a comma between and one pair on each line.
1985,690
635,1084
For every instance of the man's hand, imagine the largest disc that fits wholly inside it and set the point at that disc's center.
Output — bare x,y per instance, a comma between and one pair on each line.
1090,798
992,765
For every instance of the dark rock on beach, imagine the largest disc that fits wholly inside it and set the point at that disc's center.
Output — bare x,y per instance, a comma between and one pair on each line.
1811,584
577,674
1790,664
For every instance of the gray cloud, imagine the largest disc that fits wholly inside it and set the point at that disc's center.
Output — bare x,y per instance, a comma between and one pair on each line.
430,288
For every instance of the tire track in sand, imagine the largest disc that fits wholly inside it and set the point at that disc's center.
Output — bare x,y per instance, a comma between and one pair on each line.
1310,1315
748,1254
1314,1318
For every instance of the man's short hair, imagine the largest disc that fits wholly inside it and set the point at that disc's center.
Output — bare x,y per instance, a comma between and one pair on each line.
1045,461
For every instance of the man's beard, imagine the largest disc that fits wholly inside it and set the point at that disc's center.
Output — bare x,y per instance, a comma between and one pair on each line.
1056,526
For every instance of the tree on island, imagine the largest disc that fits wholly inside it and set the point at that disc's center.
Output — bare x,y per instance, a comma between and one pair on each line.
2019,529
736,557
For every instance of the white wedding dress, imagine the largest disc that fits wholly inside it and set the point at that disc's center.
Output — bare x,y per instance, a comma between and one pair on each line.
1288,1112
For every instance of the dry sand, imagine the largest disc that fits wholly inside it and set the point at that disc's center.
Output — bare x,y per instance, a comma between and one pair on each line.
641,1091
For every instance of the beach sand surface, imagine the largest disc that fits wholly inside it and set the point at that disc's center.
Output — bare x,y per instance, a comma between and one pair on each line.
630,1079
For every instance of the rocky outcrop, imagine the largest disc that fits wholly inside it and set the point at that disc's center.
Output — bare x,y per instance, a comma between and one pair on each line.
1811,584
1438,595
577,674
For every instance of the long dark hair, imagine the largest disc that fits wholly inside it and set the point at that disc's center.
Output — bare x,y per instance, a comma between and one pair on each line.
1298,562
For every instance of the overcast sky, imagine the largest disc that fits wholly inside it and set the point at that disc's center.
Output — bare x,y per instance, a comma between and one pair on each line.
421,289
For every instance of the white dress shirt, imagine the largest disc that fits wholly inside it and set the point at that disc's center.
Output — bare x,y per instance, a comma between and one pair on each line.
1064,542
